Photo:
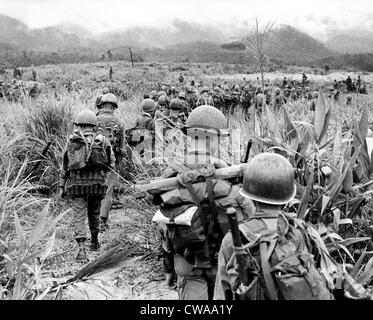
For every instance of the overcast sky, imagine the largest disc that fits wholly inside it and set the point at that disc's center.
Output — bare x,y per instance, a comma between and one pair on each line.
314,16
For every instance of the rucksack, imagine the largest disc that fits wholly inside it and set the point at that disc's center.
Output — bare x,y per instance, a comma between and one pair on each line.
278,266
108,126
195,230
86,152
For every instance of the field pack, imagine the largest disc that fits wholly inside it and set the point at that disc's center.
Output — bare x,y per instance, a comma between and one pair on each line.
191,224
108,126
279,264
85,152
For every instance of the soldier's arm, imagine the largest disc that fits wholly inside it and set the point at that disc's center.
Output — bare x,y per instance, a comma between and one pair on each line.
223,289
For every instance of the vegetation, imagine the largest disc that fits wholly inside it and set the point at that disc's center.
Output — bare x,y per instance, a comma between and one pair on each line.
327,147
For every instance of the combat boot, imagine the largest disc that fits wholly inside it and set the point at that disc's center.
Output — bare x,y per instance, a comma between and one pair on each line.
103,225
95,245
82,254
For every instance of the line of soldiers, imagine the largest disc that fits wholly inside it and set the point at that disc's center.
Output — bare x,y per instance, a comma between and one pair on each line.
221,238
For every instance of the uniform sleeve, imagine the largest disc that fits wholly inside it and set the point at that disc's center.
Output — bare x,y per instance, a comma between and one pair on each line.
223,289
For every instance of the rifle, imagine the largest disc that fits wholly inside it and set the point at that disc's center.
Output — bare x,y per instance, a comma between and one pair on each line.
249,144
238,247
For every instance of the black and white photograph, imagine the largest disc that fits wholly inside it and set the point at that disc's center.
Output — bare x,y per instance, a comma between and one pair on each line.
210,151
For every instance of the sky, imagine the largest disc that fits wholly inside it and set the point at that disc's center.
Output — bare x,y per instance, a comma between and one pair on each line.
313,16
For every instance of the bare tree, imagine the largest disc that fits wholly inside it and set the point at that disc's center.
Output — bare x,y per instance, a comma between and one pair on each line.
254,44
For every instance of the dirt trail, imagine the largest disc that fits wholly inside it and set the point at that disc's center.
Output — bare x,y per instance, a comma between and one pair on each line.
137,280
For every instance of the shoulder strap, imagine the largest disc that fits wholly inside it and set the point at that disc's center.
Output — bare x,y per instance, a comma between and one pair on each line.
265,254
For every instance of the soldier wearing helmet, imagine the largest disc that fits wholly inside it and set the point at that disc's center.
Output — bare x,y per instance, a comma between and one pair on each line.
146,121
191,97
154,95
245,100
110,126
274,257
205,97
194,265
186,107
162,103
87,159
278,100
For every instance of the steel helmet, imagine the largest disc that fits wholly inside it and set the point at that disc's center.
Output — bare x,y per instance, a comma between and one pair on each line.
148,105
207,118
182,95
153,94
109,98
86,117
162,100
162,93
269,178
277,90
175,104
205,89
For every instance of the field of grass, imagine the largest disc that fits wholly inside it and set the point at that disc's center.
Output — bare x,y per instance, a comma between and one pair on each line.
327,147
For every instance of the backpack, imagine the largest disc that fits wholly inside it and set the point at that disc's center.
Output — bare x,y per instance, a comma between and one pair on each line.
86,152
279,263
195,229
108,126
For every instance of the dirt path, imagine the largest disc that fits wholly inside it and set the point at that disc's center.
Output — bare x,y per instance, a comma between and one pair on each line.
137,279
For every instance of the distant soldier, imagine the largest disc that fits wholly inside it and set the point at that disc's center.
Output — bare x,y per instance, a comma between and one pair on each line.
33,74
110,126
34,91
304,80
348,100
86,160
191,97
284,82
146,119
163,103
278,100
260,101
186,107
358,83
111,73
245,100
205,98
349,84
153,95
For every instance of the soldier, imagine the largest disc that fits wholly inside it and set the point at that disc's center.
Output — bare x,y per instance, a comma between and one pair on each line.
278,257
260,102
86,160
153,95
304,80
205,97
245,100
33,74
162,103
191,97
278,100
113,130
146,121
186,107
194,263
349,84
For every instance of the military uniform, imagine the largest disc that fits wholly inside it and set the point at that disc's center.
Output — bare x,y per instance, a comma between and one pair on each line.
195,263
85,187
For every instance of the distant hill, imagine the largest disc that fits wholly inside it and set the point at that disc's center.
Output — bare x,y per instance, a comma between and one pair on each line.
182,41
295,47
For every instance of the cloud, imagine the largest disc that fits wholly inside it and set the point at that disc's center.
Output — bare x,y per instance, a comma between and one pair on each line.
315,17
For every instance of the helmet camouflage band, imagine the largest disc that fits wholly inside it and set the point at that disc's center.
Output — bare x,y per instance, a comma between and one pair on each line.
269,178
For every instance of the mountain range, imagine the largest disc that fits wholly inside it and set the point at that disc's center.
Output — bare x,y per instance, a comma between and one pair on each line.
182,38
